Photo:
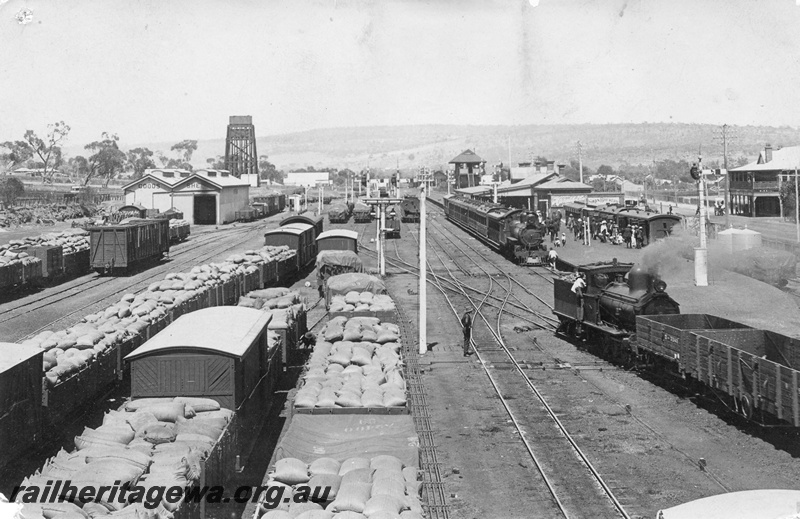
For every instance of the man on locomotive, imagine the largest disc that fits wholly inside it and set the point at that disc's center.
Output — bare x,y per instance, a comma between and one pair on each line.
577,288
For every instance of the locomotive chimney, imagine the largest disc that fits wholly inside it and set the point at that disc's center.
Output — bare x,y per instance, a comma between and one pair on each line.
768,153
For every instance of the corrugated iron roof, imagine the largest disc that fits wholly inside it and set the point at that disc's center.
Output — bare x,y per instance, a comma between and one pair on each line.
226,330
474,190
784,159
563,184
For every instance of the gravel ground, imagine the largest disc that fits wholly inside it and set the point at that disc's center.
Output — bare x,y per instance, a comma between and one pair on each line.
649,454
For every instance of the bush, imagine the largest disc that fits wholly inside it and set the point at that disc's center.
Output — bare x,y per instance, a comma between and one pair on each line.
10,189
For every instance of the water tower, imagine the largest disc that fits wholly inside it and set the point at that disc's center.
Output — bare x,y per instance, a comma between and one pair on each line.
241,157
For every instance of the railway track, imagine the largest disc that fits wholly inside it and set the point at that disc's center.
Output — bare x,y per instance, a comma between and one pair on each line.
691,461
570,485
500,361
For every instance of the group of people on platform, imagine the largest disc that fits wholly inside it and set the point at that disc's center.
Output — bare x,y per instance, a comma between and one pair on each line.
633,236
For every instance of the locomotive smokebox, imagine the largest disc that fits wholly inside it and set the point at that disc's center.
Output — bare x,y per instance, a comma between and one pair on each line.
639,279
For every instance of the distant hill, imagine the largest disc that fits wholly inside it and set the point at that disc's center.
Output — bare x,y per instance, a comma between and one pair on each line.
435,145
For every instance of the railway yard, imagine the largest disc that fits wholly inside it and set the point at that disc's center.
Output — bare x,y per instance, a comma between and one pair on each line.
561,410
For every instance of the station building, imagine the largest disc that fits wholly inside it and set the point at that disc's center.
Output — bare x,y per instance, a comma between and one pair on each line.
755,187
204,196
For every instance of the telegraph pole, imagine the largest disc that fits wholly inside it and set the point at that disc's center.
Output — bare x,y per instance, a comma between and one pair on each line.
796,206
580,161
700,253
423,274
727,176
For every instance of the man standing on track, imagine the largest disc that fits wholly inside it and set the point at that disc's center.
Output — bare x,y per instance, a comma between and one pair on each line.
466,323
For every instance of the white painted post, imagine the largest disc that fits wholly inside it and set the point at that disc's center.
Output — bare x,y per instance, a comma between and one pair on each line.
423,273
701,253
383,236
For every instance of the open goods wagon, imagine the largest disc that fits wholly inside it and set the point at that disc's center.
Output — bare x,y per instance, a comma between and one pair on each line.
362,213
755,372
116,248
338,214
60,393
246,214
334,262
298,237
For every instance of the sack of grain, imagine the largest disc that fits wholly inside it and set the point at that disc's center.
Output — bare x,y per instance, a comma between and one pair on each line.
291,471
383,503
200,405
166,412
121,433
324,466
157,433
352,497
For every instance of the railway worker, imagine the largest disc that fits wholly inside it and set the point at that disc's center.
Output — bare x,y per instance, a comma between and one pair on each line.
552,256
466,324
577,227
578,287
639,236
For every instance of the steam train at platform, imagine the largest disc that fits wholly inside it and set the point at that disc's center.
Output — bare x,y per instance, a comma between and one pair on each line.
655,225
515,233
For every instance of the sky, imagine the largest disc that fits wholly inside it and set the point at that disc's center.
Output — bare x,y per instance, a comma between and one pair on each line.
168,70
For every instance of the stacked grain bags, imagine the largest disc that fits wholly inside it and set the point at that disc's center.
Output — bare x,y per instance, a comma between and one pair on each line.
288,314
24,266
178,229
355,301
360,293
70,240
355,364
69,351
357,488
146,443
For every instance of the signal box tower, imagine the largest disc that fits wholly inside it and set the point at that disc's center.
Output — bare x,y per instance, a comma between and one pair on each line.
241,157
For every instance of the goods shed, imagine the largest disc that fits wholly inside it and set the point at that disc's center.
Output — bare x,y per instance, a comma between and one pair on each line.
205,196
220,353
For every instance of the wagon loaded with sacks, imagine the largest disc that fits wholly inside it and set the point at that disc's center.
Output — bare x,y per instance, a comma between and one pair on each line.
359,295
338,213
356,367
288,314
332,263
167,434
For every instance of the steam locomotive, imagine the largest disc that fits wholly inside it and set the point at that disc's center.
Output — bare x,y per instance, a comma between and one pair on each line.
517,234
615,294
409,209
